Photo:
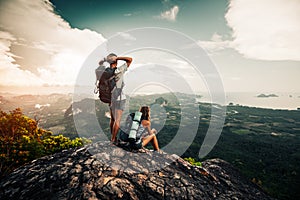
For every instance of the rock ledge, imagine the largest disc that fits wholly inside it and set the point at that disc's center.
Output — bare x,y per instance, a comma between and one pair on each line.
101,171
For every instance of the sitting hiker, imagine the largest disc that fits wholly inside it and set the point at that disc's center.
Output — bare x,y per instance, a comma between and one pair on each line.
137,132
149,135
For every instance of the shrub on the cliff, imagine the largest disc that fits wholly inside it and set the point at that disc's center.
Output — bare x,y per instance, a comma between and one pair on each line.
21,140
193,162
55,143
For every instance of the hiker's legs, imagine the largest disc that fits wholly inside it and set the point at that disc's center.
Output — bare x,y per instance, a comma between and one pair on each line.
116,110
146,140
116,125
112,121
155,143
151,138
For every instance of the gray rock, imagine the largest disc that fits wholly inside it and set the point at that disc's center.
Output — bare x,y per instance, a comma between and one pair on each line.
103,171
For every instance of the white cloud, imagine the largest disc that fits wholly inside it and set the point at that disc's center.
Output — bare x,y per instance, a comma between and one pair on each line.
10,72
177,63
170,14
216,43
265,30
37,46
127,36
6,58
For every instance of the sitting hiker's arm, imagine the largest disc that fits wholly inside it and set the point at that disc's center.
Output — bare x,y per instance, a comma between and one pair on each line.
147,125
128,60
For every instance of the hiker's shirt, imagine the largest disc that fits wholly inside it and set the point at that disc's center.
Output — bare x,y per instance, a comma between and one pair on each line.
119,76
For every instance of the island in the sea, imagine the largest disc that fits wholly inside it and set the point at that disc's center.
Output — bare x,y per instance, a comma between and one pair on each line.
266,95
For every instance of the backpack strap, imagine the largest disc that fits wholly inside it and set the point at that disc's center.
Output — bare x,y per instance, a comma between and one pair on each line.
96,89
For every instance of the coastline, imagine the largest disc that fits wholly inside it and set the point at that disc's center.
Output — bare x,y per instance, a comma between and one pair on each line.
284,101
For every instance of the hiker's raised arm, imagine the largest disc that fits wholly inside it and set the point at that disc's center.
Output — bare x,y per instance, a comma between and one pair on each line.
128,60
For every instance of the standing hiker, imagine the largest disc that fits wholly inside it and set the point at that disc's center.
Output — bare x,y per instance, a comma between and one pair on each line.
111,87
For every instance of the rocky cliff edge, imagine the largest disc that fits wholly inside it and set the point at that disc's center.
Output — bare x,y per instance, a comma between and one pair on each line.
103,171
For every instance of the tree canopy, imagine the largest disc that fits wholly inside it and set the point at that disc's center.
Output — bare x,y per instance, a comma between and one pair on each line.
21,141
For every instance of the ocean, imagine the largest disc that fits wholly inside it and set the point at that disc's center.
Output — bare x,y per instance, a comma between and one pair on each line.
289,101
284,100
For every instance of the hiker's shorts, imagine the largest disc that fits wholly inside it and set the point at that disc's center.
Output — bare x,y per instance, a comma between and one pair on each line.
118,105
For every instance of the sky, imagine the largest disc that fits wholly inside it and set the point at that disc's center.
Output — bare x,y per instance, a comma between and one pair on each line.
254,44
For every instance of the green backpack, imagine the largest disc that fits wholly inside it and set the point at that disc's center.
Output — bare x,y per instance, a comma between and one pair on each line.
132,133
